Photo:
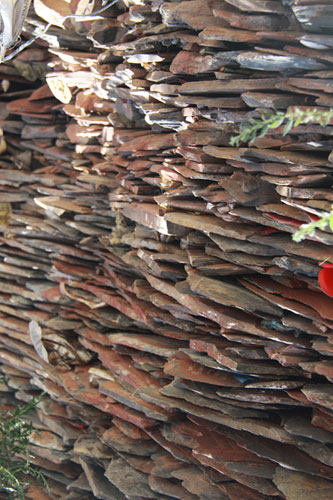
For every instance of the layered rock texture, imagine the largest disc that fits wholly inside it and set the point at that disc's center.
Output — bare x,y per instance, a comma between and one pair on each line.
149,283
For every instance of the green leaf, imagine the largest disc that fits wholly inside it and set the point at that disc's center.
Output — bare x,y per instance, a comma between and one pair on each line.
288,126
276,123
295,116
330,222
14,439
309,116
298,236
264,130
298,121
326,118
253,136
244,135
321,223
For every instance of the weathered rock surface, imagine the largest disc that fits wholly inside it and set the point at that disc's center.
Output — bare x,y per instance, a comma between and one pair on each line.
149,284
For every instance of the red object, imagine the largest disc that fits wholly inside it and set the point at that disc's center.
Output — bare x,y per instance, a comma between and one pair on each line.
81,426
328,265
313,217
284,220
325,278
268,230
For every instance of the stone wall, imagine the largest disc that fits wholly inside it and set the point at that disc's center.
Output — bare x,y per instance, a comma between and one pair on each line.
149,283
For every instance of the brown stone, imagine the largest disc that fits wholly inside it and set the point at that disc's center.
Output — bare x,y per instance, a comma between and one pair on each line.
292,484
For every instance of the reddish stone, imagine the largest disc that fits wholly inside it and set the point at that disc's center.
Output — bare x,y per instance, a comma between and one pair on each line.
122,367
321,419
127,398
129,429
187,369
32,108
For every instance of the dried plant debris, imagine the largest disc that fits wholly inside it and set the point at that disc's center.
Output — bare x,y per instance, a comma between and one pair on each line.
12,17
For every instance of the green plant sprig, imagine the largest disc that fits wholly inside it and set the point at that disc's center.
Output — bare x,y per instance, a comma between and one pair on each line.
310,228
294,116
16,465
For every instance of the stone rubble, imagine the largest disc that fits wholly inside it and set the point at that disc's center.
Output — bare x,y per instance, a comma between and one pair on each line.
185,346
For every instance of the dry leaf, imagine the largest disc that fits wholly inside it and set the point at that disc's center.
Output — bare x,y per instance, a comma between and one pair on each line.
5,212
5,85
35,333
59,89
3,145
94,303
12,17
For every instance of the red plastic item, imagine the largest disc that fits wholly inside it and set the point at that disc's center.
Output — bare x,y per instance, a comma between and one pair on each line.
328,265
325,278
